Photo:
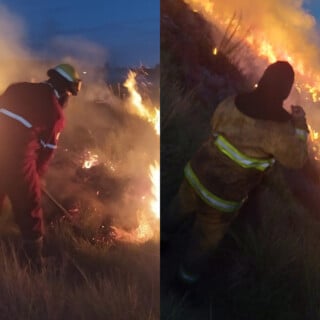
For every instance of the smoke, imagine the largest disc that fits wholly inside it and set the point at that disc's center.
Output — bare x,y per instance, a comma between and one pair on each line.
15,58
273,30
125,146
97,122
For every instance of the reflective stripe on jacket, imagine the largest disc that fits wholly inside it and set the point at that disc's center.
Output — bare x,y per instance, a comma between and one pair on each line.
235,158
240,158
15,116
208,197
27,124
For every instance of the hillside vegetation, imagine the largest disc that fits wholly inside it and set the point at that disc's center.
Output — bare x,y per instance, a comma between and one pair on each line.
268,266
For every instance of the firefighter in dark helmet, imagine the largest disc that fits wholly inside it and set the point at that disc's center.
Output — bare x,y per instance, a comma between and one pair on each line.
250,131
31,119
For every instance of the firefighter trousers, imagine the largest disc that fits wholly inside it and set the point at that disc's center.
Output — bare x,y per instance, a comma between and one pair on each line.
24,192
207,230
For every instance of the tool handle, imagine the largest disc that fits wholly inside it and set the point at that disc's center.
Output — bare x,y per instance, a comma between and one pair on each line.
55,202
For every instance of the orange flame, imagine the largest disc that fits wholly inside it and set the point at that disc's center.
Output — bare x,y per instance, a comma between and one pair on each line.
152,115
147,230
148,217
291,36
266,33
148,227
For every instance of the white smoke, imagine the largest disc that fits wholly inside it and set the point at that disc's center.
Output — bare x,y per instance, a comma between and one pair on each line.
272,30
125,144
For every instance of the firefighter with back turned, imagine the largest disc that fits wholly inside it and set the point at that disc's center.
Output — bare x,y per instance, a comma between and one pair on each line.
31,119
250,131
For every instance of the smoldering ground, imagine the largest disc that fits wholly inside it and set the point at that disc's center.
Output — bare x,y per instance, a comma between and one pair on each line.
118,184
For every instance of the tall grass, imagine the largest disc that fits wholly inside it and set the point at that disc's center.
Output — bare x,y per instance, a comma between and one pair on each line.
80,281
268,269
268,265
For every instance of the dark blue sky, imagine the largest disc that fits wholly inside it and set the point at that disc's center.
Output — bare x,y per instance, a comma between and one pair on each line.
128,29
313,7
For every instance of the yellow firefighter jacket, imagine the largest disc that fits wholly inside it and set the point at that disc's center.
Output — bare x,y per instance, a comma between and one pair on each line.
238,153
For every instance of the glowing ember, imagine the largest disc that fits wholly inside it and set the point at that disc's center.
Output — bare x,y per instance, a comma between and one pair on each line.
148,227
314,135
146,231
90,160
111,165
152,115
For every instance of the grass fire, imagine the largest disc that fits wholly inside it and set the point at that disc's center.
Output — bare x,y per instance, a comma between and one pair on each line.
269,259
102,226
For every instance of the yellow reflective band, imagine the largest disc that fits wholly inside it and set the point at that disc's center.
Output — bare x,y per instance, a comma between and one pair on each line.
208,197
302,134
241,159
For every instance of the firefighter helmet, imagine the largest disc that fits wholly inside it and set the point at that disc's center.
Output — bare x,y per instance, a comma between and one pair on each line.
68,73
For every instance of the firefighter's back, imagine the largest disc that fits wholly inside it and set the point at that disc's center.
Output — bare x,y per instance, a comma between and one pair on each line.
26,110
241,148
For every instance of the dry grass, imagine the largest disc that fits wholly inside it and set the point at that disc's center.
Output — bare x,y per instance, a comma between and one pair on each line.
82,281
268,266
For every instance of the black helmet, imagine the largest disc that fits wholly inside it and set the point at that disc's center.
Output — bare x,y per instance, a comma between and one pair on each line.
277,79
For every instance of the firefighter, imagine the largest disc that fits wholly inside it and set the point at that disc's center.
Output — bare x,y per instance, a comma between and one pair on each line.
31,119
250,131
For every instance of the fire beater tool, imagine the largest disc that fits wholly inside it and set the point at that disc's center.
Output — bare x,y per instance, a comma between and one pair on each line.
56,203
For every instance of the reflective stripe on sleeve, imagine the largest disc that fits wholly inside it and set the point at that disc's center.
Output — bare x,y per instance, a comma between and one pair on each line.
15,116
48,145
302,134
240,158
208,197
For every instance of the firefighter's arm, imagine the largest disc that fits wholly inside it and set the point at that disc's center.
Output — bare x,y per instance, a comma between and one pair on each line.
288,143
49,143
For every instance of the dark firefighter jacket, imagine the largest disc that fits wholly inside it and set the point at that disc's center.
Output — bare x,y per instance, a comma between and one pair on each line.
240,150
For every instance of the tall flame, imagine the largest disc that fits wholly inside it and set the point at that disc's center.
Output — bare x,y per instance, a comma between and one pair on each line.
148,217
152,115
90,160
275,30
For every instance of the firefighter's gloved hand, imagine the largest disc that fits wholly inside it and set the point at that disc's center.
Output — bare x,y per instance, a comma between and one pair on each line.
299,118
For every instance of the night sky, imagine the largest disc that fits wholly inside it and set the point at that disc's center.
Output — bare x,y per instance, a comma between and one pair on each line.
313,7
128,30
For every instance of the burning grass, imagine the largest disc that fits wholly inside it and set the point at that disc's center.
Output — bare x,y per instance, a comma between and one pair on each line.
107,166
268,265
103,256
